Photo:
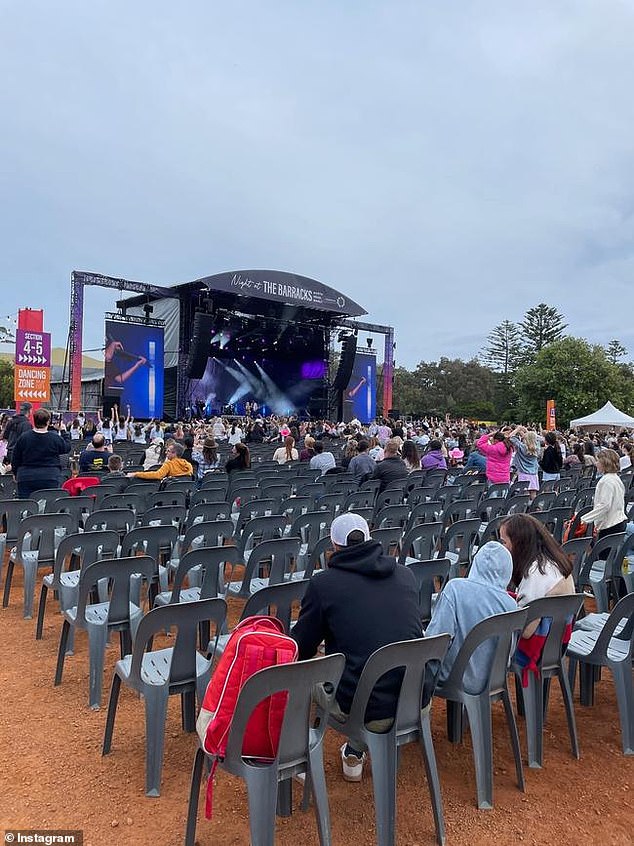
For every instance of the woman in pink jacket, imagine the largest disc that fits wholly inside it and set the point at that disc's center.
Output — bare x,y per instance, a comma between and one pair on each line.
498,451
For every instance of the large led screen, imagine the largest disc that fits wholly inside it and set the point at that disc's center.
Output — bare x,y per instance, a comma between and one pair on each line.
133,368
360,395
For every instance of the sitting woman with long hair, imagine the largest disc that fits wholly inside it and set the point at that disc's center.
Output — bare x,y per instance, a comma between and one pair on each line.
287,452
240,460
409,454
540,568
206,457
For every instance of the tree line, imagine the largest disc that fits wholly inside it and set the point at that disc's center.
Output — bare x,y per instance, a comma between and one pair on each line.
521,366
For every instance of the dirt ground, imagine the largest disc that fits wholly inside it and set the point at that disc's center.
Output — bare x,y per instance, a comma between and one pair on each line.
52,774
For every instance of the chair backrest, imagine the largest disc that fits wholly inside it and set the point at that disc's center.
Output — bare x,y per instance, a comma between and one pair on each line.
624,609
605,549
427,573
185,617
576,549
491,507
517,503
420,542
117,572
134,501
461,509
100,492
319,556
293,506
119,520
425,512
359,499
168,496
389,538
46,496
300,734
560,611
79,506
566,498
517,488
155,541
584,499
411,658
492,529
498,489
393,496
330,502
542,502
210,559
279,553
41,531
554,519
461,537
163,515
500,628
392,515
311,526
204,512
215,482
86,548
422,493
208,533
261,528
276,601
179,484
12,512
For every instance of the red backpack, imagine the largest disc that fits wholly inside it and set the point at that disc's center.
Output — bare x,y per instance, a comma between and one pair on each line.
255,643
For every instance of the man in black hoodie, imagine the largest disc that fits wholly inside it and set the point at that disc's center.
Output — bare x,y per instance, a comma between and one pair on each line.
16,426
362,601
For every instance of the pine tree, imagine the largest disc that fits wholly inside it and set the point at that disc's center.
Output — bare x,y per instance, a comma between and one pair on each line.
503,351
614,351
541,326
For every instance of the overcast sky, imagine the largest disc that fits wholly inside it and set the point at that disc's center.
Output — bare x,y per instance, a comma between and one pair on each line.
446,165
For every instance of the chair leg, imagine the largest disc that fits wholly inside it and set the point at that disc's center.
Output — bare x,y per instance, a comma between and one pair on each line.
316,780
30,571
382,749
622,674
262,794
61,654
194,792
479,714
284,806
40,611
570,711
188,710
519,696
515,740
7,583
586,683
454,721
97,638
533,698
112,713
429,758
155,716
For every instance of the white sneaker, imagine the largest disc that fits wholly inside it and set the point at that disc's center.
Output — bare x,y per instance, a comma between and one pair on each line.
352,765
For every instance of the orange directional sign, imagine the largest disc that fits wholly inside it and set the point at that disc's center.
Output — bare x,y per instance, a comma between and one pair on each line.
32,384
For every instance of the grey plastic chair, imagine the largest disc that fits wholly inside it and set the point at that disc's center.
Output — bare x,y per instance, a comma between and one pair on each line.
428,573
359,499
160,673
517,504
602,570
211,533
80,549
610,646
45,497
310,527
166,497
577,549
98,619
207,512
134,501
392,515
120,520
318,559
99,493
554,520
542,502
163,515
491,507
274,555
218,495
500,628
38,537
492,529
300,747
12,512
458,542
258,529
159,543
411,723
420,542
560,611
79,506
204,568
390,539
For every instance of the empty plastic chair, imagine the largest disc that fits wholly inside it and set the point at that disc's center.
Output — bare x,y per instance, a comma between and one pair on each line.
431,576
610,645
300,747
160,673
274,556
602,570
38,537
12,512
420,542
389,539
98,619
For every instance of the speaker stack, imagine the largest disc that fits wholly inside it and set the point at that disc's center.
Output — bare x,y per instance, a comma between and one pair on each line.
199,345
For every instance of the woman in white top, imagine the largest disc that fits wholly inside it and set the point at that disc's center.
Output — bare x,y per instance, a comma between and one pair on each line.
627,452
608,507
540,566
235,434
287,452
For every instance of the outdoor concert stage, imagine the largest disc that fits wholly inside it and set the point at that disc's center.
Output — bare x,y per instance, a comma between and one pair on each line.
256,340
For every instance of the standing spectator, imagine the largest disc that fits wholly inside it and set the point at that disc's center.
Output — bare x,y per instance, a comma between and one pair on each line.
16,426
498,452
36,455
526,458
608,508
552,460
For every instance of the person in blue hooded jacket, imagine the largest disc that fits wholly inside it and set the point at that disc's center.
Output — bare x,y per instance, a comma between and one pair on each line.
464,603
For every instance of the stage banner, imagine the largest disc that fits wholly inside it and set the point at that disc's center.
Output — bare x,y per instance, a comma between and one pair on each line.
133,368
551,421
359,399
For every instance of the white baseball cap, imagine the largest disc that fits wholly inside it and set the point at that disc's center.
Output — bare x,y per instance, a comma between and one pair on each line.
344,524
